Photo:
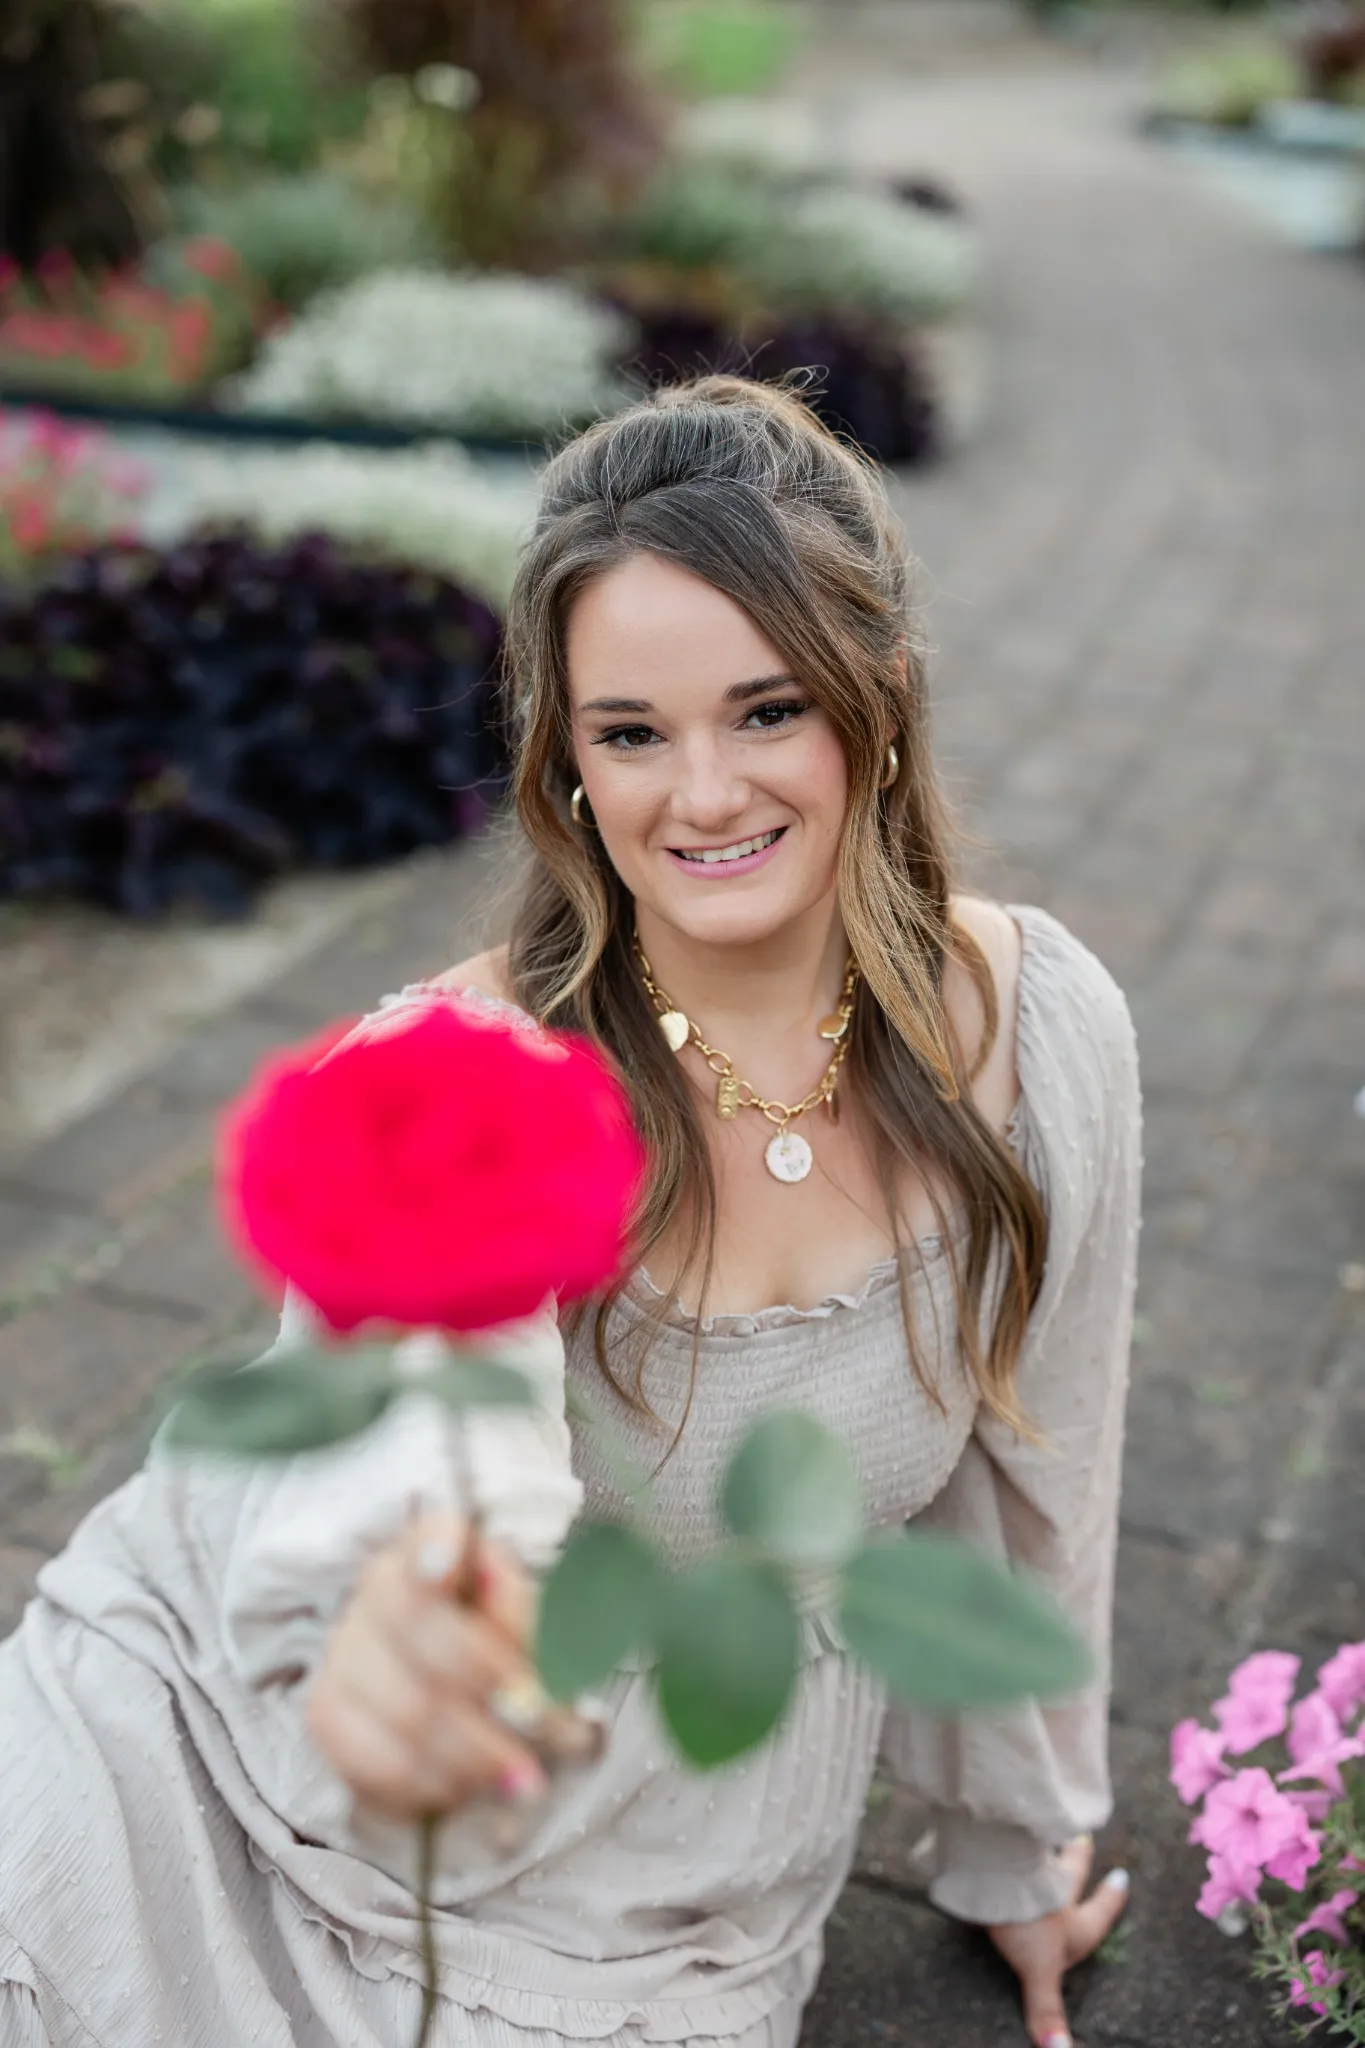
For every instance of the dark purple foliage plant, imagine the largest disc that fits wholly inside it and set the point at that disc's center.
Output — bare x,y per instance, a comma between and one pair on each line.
863,379
177,726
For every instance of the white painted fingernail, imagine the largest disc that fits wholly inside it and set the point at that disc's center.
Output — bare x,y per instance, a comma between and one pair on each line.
1117,1880
435,1560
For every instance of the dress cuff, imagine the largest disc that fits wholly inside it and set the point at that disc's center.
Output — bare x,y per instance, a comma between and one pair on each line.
990,1872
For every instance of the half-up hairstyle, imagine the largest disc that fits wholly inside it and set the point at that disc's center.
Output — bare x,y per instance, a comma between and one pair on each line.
739,484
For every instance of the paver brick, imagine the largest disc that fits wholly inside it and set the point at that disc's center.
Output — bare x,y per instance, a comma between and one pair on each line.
80,1367
123,1154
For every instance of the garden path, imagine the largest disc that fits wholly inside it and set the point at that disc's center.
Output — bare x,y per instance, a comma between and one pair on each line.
1145,593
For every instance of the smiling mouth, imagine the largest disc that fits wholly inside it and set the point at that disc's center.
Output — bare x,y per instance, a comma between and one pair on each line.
711,856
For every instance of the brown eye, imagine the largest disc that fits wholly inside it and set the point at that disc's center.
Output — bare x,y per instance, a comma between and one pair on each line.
779,713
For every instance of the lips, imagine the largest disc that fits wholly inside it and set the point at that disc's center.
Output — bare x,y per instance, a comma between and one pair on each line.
739,849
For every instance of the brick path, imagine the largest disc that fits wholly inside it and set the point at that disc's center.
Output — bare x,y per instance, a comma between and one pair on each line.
1148,601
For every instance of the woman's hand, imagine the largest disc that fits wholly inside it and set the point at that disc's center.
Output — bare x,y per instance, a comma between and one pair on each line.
399,1705
1040,1952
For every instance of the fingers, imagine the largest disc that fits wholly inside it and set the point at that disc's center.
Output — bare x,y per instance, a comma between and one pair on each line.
435,1556
1088,1923
399,1702
460,1753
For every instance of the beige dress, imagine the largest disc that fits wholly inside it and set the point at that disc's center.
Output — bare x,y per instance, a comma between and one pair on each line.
177,1864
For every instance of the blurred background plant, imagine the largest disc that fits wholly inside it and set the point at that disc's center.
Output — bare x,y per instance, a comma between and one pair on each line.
1230,81
431,506
62,488
494,355
301,235
172,324
530,114
703,48
177,725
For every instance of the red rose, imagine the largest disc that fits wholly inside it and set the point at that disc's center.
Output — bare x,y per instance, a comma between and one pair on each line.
440,1168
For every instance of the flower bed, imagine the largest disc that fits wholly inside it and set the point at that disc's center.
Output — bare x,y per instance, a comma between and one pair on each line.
168,328
491,355
428,506
1285,1828
61,488
180,725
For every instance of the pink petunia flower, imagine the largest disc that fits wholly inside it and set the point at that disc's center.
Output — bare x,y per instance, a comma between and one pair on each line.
1318,1746
1341,1680
1248,1821
1227,1882
1266,1671
1256,1704
1317,1805
1326,1919
1317,1976
1196,1760
1248,1719
1292,1862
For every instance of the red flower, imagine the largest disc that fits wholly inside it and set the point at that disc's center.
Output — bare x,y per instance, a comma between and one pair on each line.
441,1168
211,257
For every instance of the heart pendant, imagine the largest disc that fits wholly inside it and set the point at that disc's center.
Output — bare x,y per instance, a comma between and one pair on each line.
675,1028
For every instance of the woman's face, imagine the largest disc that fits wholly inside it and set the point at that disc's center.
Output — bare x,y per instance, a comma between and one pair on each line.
717,783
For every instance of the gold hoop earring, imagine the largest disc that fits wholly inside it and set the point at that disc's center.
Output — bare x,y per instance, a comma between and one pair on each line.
893,768
587,824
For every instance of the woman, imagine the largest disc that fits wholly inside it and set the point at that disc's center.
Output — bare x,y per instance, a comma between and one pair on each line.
894,1136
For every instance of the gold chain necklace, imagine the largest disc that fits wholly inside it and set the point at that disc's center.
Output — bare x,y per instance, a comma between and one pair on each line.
787,1156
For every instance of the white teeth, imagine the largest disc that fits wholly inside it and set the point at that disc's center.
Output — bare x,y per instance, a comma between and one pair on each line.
736,852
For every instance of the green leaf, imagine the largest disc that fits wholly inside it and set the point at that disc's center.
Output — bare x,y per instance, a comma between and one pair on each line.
297,1402
728,1651
600,1601
950,1630
792,1489
465,1381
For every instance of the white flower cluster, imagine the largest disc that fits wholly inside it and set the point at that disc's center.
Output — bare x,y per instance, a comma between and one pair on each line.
479,354
432,506
846,246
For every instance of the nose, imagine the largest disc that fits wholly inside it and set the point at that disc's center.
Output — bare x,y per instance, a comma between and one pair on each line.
709,792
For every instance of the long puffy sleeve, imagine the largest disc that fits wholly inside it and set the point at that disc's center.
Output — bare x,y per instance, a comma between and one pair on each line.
1008,1790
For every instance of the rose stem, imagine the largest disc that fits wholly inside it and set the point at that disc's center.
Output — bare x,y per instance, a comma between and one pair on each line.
465,1589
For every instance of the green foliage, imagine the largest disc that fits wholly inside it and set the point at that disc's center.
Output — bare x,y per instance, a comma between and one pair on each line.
1228,86
948,1629
559,122
729,1643
792,1491
600,1602
940,1624
307,1400
782,247
703,48
236,82
302,1402
301,235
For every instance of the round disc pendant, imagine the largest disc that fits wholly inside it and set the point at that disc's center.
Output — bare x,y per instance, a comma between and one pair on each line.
788,1156
675,1028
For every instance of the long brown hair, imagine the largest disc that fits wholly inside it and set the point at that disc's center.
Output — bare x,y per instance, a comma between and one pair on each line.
740,484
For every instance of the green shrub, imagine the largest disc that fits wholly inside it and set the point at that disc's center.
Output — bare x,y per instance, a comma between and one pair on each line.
703,48
302,235
237,81
1229,86
803,248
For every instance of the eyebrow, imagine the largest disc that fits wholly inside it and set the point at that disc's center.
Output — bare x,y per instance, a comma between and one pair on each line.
738,693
